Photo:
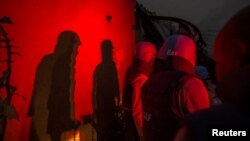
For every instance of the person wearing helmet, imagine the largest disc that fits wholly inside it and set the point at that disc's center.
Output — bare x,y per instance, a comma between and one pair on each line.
136,75
170,94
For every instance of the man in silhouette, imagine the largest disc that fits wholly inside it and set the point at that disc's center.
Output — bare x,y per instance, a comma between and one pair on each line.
105,91
51,107
136,75
172,93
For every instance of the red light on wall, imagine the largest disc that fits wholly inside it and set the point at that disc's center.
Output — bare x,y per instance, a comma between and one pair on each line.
35,30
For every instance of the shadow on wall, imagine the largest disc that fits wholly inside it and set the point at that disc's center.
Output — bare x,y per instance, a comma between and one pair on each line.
51,106
105,95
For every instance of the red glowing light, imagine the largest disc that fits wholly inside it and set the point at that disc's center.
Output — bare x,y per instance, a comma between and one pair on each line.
35,30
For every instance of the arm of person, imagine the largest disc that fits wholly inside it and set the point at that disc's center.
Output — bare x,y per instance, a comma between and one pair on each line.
195,95
136,101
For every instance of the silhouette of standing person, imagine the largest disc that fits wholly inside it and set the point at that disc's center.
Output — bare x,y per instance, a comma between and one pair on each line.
38,106
60,102
105,91
42,86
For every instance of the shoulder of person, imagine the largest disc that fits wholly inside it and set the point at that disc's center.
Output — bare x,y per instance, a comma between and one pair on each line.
193,81
139,80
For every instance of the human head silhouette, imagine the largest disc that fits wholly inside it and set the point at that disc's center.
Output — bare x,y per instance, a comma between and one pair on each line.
67,41
232,45
107,51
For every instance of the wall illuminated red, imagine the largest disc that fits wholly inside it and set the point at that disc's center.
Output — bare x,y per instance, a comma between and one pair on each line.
35,30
